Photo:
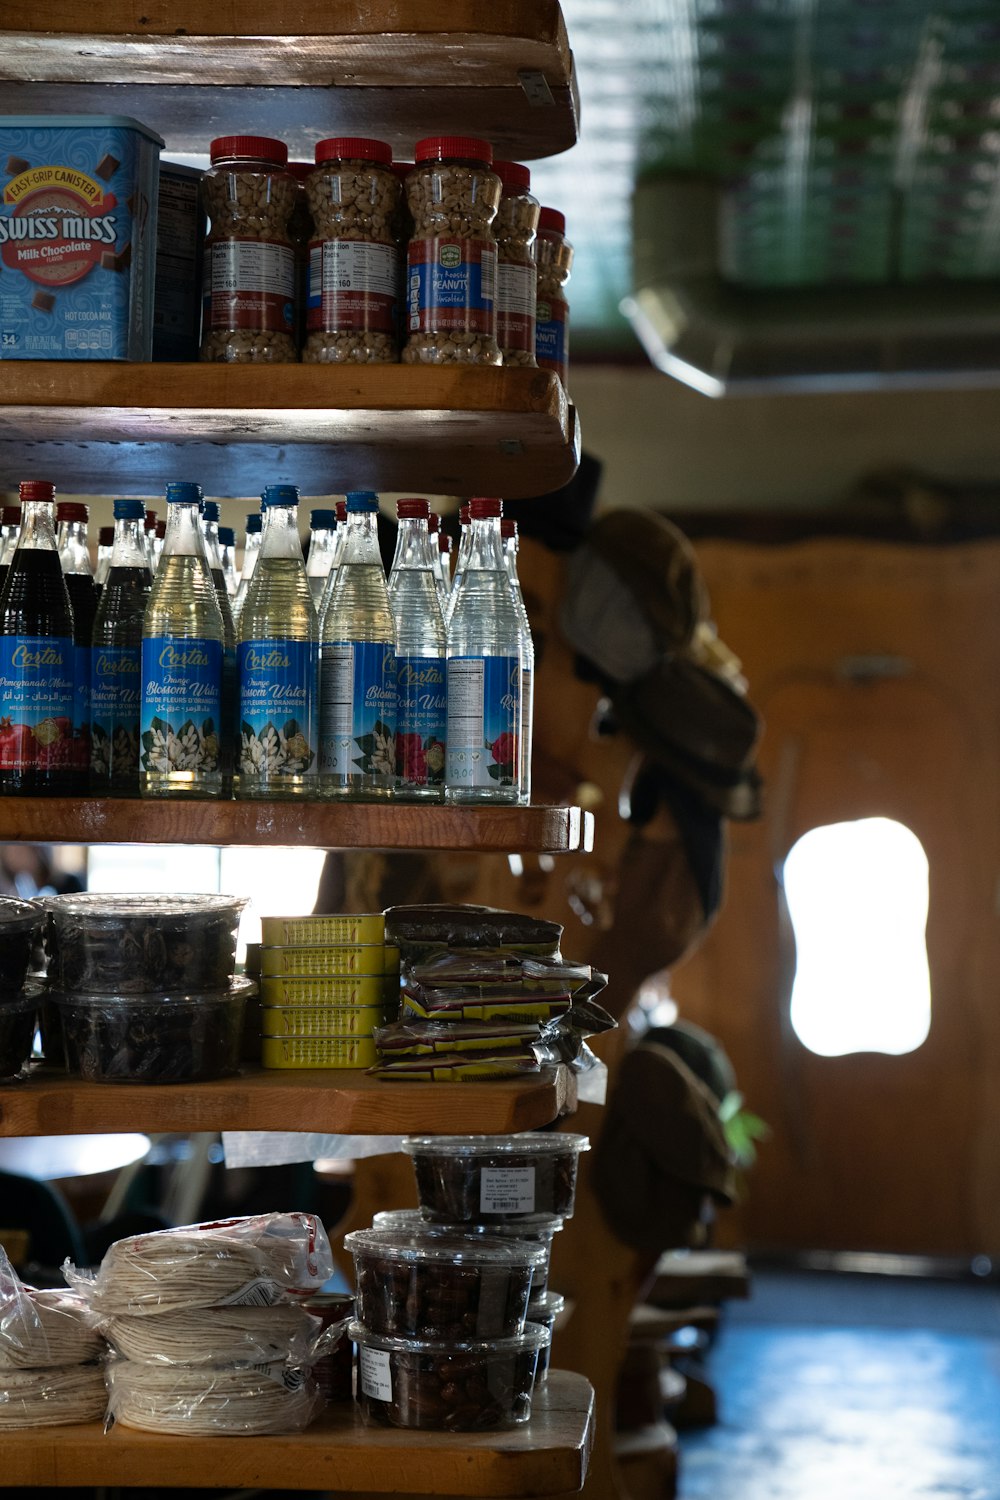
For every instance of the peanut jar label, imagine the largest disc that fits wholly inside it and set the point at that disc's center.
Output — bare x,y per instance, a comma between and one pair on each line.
516,307
422,719
181,704
552,336
484,720
352,287
36,691
278,689
358,709
251,284
451,285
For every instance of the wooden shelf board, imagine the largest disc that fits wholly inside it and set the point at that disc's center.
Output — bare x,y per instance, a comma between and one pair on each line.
337,1101
546,1456
315,825
448,431
504,70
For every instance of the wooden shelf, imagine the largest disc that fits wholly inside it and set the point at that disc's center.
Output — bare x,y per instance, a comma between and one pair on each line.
335,1101
546,1456
315,825
398,69
129,428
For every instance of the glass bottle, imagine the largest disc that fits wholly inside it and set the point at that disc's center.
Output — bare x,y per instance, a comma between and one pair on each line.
278,661
554,257
10,525
105,542
182,662
433,532
322,547
339,539
421,649
227,552
517,275
116,682
36,658
444,568
74,557
508,535
159,536
151,530
251,547
464,536
484,670
357,666
229,730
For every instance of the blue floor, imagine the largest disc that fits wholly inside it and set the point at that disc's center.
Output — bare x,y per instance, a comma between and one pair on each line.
852,1388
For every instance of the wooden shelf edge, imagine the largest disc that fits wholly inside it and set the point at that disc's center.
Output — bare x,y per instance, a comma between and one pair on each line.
546,1456
333,1101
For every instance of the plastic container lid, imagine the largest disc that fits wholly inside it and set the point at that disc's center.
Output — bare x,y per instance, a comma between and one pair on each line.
239,988
72,510
124,510
515,177
449,1248
97,908
547,1307
352,148
459,147
36,489
412,510
553,220
412,1219
485,510
280,494
17,915
533,1337
248,148
183,492
530,1144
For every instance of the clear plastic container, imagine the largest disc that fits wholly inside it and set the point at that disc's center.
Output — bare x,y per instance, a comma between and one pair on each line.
453,1387
554,258
517,275
489,1177
544,1311
249,297
448,1286
352,316
533,1229
452,256
127,945
20,930
153,1038
17,1032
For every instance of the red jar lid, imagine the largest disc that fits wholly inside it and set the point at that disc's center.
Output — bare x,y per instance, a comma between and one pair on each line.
515,177
36,489
299,170
402,169
250,148
352,148
410,510
553,220
508,528
71,510
485,510
10,515
445,147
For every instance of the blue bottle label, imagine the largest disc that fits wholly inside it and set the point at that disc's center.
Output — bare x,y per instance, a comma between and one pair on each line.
552,336
484,720
421,719
115,708
37,679
278,690
358,697
181,703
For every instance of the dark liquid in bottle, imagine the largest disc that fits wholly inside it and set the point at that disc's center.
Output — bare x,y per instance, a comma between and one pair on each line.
36,602
83,598
115,747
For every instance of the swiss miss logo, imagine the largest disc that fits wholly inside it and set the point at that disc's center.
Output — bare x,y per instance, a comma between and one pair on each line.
55,224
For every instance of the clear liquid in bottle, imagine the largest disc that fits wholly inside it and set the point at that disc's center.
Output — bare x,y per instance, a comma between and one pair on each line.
421,668
229,729
508,533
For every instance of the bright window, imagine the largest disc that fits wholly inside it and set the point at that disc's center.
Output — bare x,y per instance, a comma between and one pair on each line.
857,898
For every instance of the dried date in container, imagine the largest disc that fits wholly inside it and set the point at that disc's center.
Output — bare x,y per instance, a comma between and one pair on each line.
453,197
155,1038
533,1229
515,228
17,1032
352,314
249,287
554,257
21,925
442,1286
487,1177
118,945
458,1387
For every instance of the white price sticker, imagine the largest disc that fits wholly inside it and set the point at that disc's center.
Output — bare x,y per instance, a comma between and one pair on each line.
376,1375
507,1190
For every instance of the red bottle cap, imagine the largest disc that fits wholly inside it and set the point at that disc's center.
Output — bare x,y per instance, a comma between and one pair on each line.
341,509
485,510
353,148
402,169
150,521
71,510
515,177
446,147
553,220
161,530
508,528
106,536
433,522
463,513
444,542
249,148
36,489
409,510
10,515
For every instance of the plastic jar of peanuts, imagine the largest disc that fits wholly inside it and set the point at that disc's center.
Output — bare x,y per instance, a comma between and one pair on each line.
452,258
352,304
515,226
554,258
249,314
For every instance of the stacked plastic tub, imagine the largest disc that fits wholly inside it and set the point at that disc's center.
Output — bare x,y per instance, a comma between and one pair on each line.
326,983
20,933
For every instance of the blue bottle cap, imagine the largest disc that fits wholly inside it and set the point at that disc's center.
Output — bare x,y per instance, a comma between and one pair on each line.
180,492
253,521
361,500
227,536
129,510
210,510
280,494
318,519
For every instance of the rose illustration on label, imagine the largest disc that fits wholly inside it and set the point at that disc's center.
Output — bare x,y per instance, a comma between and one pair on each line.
188,748
504,753
378,751
275,750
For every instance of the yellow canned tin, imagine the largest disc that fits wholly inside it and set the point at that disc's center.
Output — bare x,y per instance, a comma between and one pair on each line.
333,989
317,1052
319,1020
324,959
366,927
392,958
